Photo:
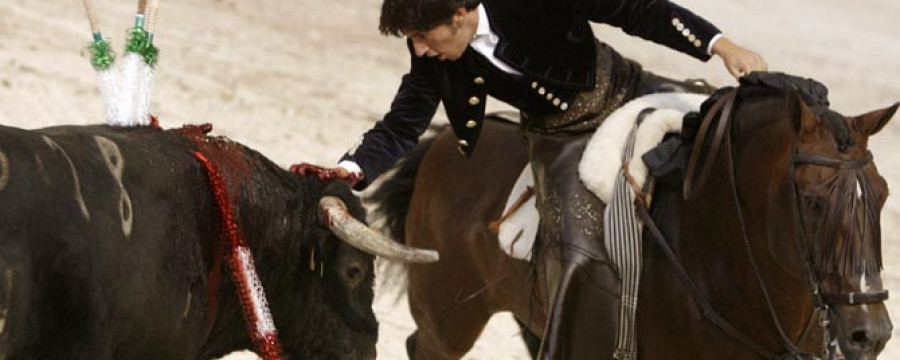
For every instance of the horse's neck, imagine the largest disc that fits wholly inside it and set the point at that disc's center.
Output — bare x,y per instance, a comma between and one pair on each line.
708,238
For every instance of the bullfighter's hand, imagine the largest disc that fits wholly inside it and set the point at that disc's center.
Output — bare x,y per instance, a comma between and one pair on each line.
323,173
738,60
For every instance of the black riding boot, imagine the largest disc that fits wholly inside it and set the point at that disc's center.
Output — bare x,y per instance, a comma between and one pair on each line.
583,286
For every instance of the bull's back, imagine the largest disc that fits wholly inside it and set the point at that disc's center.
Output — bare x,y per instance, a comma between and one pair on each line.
101,227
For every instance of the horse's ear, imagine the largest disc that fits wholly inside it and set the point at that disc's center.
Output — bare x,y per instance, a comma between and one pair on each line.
872,122
804,120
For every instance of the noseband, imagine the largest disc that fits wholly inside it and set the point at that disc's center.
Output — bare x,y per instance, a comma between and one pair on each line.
725,104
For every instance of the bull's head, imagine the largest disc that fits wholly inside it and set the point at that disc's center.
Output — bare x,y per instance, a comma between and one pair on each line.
330,314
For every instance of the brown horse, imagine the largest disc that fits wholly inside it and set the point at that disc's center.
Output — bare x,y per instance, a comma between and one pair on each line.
783,237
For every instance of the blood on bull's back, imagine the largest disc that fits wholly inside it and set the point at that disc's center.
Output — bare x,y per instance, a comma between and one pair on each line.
112,241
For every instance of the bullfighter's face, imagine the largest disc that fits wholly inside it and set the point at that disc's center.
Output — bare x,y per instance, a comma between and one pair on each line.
446,41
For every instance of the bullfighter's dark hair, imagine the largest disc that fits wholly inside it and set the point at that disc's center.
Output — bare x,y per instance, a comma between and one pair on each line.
398,16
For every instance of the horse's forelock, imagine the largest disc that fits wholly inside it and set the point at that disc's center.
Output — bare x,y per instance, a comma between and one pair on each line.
837,125
850,242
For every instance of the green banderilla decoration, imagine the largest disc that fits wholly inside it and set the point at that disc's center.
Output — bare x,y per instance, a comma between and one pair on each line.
141,42
102,55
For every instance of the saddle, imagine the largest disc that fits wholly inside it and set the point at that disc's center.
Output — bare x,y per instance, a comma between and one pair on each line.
601,163
602,160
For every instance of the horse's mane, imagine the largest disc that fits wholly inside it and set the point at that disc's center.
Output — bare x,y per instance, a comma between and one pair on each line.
813,93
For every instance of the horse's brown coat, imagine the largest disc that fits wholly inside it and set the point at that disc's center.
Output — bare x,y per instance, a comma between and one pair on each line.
455,199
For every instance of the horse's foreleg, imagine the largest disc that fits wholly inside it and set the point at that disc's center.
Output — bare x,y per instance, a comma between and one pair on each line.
446,329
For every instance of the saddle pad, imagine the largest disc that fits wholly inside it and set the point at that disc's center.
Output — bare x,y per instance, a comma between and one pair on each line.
602,159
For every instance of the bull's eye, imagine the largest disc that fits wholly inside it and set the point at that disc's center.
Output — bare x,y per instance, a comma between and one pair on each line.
354,274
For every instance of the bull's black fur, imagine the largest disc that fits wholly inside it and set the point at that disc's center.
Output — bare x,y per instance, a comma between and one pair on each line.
84,290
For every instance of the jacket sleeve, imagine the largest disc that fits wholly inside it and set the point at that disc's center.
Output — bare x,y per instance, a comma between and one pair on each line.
398,132
659,21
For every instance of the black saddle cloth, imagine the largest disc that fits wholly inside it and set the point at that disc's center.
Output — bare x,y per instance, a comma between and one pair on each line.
667,162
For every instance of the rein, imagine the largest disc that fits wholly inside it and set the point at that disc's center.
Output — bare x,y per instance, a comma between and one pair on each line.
727,101
726,104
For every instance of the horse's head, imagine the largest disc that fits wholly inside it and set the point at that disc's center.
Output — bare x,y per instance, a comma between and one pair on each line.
809,200
840,195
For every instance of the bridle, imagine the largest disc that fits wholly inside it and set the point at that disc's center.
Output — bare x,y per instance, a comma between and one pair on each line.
845,298
822,301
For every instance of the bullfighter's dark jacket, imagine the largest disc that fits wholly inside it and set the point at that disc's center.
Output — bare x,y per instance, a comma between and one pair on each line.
549,41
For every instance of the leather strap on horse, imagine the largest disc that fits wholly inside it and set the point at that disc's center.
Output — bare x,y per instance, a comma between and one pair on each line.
856,298
707,309
801,158
705,306
849,298
708,312
740,215
494,226
727,101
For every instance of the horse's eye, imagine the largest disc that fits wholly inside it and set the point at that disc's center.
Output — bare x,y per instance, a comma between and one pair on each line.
814,203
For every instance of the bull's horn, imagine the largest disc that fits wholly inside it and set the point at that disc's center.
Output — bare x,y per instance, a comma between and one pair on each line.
360,236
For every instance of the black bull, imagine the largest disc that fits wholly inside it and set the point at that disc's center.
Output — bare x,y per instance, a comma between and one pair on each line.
112,238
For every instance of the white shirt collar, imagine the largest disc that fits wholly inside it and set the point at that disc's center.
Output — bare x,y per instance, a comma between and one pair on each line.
484,27
485,42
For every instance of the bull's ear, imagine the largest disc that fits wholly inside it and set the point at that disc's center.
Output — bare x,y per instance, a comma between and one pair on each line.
872,122
805,121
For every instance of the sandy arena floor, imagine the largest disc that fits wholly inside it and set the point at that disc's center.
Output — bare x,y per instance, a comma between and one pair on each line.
301,80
